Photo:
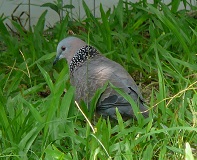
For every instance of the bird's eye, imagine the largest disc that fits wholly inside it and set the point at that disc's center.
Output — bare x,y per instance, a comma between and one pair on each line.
63,48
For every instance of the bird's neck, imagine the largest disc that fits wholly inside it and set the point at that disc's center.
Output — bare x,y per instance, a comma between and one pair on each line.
81,56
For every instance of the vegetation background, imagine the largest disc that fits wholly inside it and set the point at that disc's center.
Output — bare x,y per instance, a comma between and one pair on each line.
156,43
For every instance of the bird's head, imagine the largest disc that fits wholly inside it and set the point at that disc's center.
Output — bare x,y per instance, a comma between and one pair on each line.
67,48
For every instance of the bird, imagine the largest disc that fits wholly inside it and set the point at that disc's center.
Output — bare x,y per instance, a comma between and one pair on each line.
91,70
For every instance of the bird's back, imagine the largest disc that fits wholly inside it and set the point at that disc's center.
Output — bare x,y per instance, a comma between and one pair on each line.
94,73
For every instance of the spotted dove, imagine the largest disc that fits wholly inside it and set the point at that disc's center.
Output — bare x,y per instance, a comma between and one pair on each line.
90,70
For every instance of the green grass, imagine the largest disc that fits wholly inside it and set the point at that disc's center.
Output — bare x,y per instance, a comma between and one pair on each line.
39,119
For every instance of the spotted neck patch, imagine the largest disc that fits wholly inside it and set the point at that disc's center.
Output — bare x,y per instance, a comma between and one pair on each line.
86,52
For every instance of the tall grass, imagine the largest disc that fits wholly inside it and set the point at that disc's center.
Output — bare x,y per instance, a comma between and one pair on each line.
156,43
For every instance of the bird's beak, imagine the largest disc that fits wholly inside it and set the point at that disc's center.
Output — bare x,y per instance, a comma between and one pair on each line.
56,60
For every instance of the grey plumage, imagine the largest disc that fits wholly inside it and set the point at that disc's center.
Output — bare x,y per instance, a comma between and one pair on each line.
89,70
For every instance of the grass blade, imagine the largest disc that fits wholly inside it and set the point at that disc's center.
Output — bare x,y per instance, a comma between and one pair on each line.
47,78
